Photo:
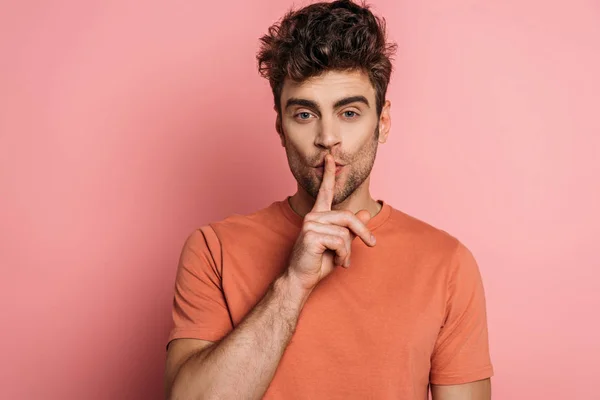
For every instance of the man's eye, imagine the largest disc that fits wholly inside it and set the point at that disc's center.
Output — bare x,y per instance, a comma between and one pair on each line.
350,114
304,115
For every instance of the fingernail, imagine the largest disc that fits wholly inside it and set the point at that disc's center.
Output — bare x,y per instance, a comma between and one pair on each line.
373,240
347,263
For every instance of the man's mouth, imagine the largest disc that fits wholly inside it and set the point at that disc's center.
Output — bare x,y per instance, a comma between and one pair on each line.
321,169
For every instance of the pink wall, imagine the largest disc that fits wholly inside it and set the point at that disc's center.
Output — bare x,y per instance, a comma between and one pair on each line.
123,128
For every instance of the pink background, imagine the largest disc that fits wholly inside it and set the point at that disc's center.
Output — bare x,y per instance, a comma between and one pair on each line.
125,126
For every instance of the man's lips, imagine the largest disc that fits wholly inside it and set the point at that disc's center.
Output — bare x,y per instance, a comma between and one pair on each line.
323,163
321,169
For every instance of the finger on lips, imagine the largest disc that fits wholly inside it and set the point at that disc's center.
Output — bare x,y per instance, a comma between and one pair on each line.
323,219
325,195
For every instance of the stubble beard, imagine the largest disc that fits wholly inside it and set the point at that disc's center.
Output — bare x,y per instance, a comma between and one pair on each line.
361,165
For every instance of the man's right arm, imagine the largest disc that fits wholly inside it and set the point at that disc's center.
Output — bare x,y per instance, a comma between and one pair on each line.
241,365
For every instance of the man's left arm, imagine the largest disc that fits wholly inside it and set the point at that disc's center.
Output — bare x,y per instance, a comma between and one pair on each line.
479,390
460,362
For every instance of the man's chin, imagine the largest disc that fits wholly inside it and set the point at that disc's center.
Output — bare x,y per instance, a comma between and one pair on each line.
312,186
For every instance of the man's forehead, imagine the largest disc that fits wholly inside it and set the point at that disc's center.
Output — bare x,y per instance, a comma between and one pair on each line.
329,87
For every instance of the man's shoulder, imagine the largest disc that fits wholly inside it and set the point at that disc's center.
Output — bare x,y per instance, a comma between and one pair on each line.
421,234
258,217
264,221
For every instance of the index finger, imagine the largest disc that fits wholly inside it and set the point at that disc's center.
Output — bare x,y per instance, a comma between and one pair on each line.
325,195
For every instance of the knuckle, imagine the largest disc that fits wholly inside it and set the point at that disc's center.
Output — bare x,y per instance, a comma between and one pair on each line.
346,234
311,216
310,236
347,214
308,226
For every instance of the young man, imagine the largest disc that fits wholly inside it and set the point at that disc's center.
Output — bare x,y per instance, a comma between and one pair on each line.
285,303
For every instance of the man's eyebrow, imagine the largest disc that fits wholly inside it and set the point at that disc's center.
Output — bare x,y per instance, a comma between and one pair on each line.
294,101
349,100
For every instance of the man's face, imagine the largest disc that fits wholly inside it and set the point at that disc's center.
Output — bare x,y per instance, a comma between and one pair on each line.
332,113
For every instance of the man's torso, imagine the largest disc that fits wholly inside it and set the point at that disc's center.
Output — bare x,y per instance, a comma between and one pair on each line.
365,332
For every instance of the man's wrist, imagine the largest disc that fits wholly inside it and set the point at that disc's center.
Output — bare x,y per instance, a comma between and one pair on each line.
291,290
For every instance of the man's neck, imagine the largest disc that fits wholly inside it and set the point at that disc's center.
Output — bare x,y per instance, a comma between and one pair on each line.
301,202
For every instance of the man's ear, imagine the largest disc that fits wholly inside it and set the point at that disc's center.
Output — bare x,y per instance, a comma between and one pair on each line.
385,122
279,129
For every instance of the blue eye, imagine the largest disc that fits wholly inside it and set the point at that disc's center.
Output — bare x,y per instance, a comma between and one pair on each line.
304,115
350,114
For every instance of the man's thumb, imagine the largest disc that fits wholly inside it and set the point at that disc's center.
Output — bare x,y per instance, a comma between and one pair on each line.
364,216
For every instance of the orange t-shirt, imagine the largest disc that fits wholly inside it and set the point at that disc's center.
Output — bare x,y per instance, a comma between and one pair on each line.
408,312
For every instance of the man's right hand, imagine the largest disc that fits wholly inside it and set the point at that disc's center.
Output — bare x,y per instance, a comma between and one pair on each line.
326,237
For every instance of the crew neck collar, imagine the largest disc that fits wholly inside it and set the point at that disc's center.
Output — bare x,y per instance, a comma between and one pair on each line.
373,223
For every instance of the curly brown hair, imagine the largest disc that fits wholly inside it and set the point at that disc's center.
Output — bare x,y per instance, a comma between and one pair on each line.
340,35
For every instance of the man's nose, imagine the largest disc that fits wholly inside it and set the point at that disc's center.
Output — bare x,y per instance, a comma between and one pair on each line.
328,135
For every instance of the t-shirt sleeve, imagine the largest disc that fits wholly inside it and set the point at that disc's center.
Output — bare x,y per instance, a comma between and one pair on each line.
461,352
199,307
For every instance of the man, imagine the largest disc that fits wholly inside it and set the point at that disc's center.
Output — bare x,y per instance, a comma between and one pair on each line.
284,303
